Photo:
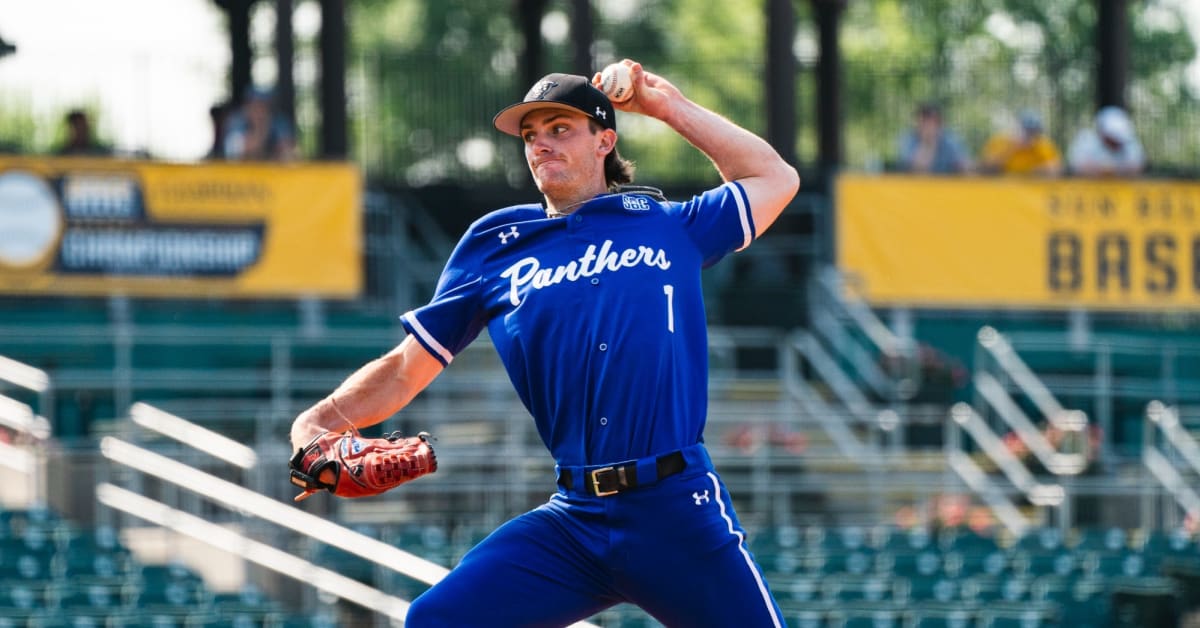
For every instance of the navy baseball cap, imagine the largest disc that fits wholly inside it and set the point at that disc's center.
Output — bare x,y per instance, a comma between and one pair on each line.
559,91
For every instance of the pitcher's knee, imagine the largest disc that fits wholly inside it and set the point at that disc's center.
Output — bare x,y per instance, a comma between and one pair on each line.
426,612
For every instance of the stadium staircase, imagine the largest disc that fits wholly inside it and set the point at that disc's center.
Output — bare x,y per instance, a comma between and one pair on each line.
823,434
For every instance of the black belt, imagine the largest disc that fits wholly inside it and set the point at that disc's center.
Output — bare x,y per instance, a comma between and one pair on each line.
616,478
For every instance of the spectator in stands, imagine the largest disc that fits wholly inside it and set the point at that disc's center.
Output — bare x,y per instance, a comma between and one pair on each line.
931,148
219,114
79,139
1108,148
1026,150
256,132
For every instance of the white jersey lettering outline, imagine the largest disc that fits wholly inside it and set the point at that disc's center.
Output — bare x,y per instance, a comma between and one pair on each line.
529,271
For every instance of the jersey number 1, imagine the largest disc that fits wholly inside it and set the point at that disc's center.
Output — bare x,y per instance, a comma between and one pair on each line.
669,290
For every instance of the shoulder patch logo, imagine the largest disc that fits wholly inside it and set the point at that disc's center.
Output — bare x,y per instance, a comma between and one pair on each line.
635,203
511,233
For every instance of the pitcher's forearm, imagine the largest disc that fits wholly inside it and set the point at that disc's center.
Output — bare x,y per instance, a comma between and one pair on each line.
376,391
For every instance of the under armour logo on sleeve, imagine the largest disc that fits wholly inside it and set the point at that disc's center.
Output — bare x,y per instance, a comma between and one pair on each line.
512,233
701,498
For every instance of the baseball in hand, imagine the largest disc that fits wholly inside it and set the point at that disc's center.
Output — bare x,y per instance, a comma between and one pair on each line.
616,82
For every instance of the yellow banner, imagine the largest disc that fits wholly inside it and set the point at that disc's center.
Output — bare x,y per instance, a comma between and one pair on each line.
982,242
98,227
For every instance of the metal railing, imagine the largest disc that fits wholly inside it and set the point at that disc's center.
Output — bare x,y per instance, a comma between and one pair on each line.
249,503
997,362
1172,456
867,371
24,453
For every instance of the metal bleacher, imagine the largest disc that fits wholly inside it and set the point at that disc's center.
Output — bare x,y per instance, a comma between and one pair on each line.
812,430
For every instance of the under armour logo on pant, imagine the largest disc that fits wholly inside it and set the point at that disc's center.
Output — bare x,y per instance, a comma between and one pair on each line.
701,498
512,233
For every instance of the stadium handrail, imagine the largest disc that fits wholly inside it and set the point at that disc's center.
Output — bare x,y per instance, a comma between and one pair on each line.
188,433
993,393
262,554
900,378
1036,492
1165,419
799,390
1056,462
241,499
1001,350
30,378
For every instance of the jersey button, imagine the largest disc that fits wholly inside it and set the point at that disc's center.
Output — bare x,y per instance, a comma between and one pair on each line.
603,420
604,346
578,218
595,281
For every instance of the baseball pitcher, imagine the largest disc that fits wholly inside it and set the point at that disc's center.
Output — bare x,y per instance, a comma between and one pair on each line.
593,301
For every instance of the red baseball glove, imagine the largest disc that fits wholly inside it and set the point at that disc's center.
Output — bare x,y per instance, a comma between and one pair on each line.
360,467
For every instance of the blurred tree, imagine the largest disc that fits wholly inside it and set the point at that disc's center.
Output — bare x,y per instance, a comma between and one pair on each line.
984,60
433,73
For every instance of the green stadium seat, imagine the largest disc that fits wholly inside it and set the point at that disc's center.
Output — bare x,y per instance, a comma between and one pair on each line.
866,617
317,620
965,540
1041,540
837,539
940,616
843,589
926,563
1126,563
343,562
787,561
245,619
164,618
247,606
171,587
1103,540
82,618
934,588
19,559
20,617
1170,551
429,541
898,540
104,598
994,589
854,562
966,564
1088,604
807,617
778,537
1058,562
799,589
1167,542
96,555
32,523
1017,616
29,595
1146,601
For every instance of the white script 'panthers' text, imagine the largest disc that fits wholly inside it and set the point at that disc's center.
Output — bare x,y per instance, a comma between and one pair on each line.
529,271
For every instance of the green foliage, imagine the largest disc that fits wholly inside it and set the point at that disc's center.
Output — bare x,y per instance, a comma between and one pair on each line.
435,73
19,129
984,60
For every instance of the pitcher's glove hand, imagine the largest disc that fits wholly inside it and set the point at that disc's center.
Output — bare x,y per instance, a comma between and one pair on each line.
359,466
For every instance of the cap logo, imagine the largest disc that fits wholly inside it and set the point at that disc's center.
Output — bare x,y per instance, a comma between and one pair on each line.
601,113
539,91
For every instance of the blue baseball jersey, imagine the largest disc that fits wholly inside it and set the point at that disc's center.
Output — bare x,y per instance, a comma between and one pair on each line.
597,316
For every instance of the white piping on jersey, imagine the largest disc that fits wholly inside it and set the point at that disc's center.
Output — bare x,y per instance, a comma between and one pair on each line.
762,587
529,270
424,334
743,213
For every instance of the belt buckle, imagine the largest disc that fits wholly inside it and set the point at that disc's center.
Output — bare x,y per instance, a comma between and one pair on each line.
594,474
